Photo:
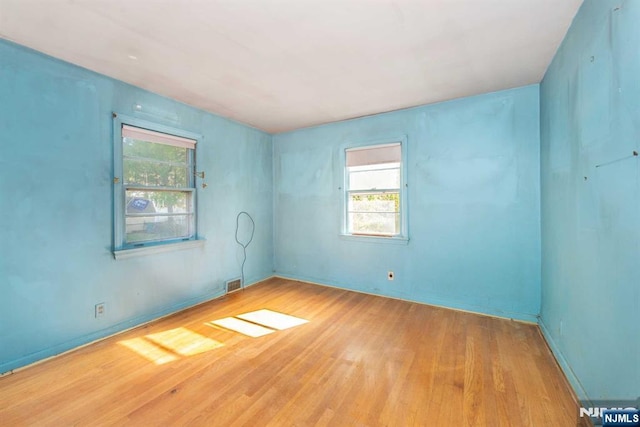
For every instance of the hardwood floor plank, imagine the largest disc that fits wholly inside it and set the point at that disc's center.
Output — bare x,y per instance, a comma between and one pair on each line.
360,360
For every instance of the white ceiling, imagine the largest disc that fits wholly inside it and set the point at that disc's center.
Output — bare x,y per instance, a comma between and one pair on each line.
285,64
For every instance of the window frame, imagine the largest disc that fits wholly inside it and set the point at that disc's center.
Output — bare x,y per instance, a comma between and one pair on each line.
120,248
403,236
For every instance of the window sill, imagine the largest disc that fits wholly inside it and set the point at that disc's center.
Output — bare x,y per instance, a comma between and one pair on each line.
376,239
156,249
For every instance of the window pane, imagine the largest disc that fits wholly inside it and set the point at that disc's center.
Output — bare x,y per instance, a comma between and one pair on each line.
374,179
167,202
149,173
158,215
150,150
147,163
150,228
374,202
384,224
374,213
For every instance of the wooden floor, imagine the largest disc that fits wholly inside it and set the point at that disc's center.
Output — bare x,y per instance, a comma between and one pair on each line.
360,360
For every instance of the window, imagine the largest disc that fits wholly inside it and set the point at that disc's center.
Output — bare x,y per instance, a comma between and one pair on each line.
155,197
374,191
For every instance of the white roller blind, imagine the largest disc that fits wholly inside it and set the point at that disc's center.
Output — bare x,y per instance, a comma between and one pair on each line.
379,154
158,137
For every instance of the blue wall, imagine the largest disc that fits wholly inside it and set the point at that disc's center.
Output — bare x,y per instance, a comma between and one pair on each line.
474,217
590,115
494,181
56,209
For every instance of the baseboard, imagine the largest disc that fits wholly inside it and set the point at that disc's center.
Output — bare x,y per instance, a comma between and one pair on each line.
436,302
578,389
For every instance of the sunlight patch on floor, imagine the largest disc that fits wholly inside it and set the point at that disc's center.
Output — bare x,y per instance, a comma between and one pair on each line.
184,341
272,319
171,345
258,323
243,327
149,350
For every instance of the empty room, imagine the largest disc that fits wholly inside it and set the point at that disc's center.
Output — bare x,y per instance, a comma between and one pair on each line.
306,212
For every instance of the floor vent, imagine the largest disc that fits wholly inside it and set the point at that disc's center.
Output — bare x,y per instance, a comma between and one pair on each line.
233,285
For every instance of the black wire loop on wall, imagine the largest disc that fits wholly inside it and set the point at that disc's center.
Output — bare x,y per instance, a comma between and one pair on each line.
244,245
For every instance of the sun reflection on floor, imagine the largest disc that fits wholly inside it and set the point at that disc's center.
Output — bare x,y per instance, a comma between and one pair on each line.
149,350
243,327
184,341
272,319
174,344
168,346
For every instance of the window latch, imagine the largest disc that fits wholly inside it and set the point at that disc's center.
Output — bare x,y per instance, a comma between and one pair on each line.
116,180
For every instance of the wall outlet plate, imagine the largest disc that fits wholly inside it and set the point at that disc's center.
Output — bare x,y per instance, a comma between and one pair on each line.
99,309
390,275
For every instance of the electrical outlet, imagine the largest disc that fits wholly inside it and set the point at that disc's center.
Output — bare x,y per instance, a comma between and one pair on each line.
99,310
390,275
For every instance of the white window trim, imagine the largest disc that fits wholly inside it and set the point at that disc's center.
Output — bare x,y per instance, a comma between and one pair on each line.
176,136
403,237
